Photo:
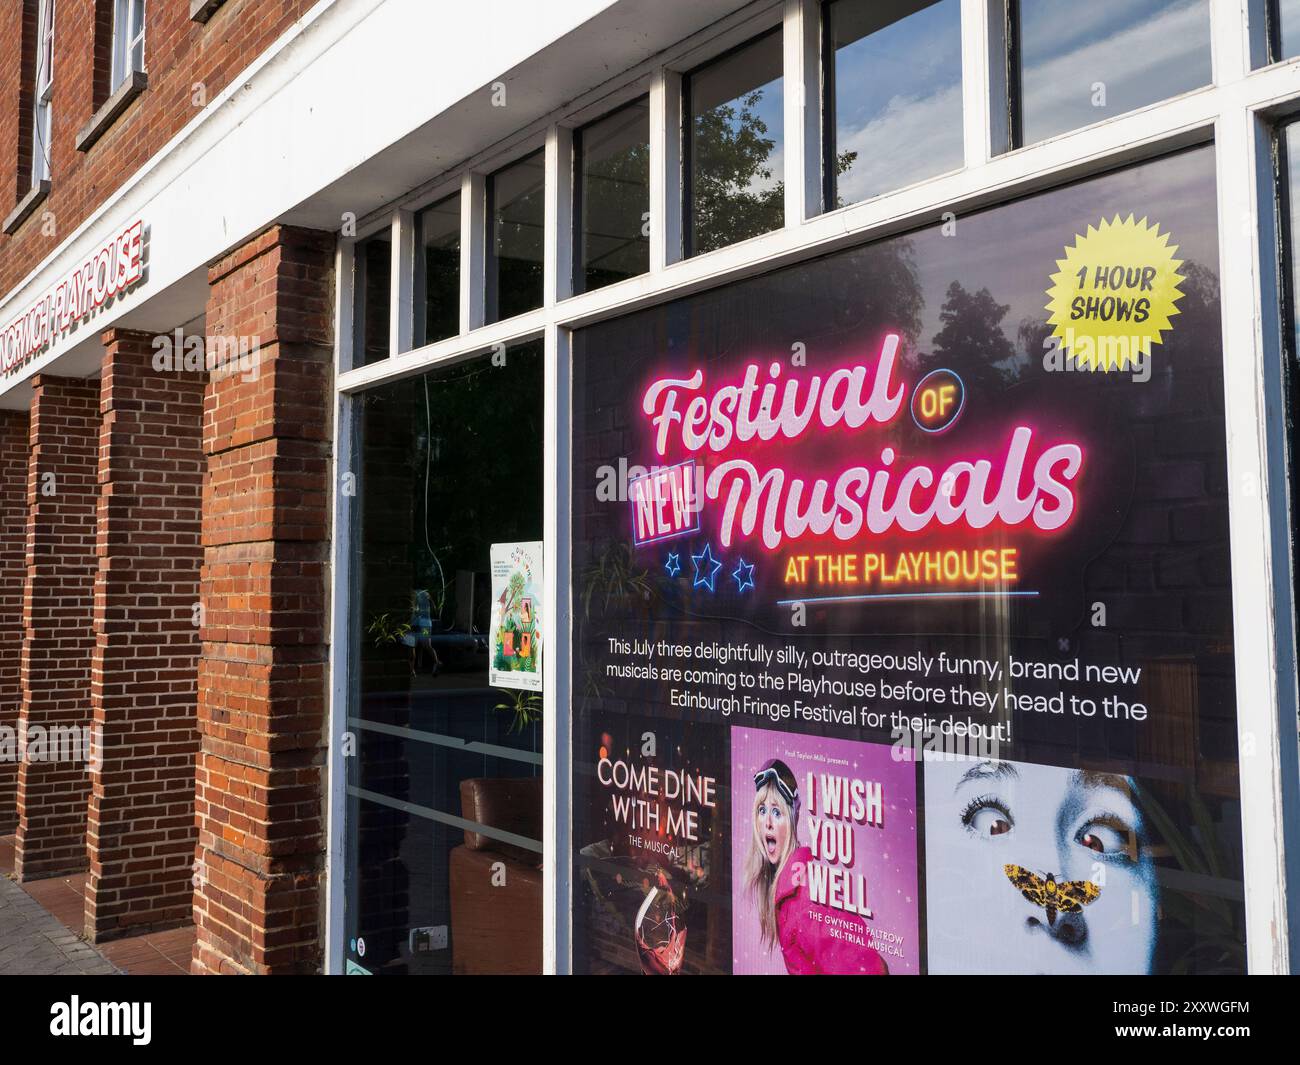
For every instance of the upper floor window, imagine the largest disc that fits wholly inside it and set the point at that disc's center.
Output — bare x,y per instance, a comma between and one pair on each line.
437,271
1284,29
1080,64
373,288
612,162
43,92
128,40
893,95
516,251
734,108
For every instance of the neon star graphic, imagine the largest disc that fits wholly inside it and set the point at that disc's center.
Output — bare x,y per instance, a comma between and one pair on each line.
706,569
673,565
744,575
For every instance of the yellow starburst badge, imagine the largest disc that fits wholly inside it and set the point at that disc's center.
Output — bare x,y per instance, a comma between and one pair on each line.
1113,294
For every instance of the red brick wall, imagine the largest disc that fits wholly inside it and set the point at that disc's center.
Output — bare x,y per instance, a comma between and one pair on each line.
13,571
140,831
263,675
178,54
58,619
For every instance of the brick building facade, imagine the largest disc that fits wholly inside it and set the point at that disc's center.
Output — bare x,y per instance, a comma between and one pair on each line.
313,313
163,582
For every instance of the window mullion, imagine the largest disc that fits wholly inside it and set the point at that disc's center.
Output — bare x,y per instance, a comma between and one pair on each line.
558,237
803,110
401,309
983,77
665,169
473,243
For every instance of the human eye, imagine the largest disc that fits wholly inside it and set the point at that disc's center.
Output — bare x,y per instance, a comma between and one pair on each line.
1109,836
987,817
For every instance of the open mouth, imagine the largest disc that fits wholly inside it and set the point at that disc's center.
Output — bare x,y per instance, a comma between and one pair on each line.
769,842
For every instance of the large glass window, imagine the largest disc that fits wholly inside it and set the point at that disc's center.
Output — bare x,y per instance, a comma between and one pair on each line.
1082,63
893,104
734,146
444,790
613,196
517,220
437,268
915,655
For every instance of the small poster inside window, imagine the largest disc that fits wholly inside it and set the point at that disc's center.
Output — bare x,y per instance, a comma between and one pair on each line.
516,616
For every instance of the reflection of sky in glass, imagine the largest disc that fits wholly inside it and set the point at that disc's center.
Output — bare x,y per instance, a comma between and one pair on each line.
1010,260
728,83
1142,51
1289,29
897,94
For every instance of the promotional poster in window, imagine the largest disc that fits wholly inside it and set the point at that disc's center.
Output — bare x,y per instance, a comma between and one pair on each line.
918,554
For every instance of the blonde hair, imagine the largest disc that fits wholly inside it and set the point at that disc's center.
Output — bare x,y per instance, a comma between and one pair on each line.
760,874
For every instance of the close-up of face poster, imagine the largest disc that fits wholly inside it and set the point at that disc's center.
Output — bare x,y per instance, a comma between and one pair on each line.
902,612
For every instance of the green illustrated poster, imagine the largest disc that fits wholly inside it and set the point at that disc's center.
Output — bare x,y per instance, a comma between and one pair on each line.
516,622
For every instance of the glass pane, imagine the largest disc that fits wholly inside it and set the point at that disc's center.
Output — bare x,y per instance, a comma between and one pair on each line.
1080,64
1287,29
371,323
444,813
1291,200
438,272
614,197
878,658
517,203
735,146
897,99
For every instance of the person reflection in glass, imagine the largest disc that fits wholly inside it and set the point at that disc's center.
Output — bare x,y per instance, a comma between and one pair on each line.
1056,863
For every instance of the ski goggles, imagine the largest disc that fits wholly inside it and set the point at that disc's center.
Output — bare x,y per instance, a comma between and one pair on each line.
771,775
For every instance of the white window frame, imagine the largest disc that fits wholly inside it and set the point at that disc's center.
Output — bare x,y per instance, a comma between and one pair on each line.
1237,112
43,92
128,33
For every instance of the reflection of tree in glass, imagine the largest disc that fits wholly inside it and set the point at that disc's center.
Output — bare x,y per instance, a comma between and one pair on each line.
617,195
1198,312
730,153
734,195
971,340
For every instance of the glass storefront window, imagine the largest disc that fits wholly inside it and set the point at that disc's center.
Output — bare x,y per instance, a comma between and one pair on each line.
517,220
612,158
437,272
734,145
1082,63
893,98
915,654
371,323
443,857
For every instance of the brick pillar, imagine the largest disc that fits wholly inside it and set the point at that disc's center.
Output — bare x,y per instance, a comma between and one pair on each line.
14,431
140,830
262,677
58,626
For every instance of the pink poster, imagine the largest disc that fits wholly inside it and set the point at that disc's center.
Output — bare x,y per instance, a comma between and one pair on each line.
823,852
